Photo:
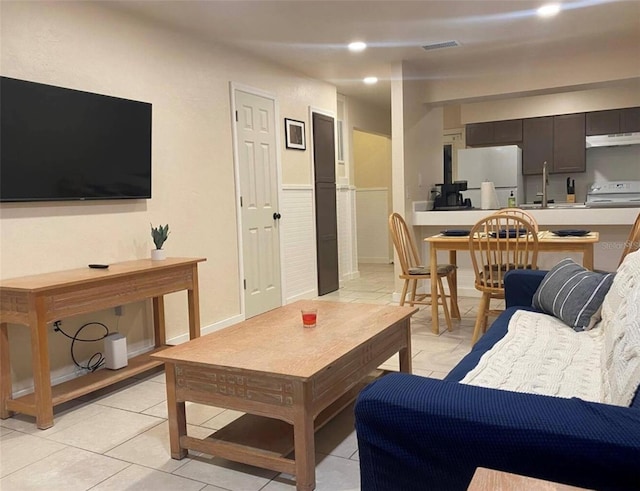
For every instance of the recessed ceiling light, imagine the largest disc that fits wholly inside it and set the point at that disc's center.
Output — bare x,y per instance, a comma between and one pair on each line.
370,80
549,10
357,46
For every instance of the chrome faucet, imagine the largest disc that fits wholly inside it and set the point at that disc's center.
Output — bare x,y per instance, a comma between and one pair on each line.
545,182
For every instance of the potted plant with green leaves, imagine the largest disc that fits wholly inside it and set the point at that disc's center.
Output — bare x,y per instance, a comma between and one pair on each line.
159,235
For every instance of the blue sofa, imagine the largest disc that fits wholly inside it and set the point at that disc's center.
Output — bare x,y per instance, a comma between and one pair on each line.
417,433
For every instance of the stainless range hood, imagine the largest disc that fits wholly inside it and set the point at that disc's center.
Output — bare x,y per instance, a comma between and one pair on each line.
615,140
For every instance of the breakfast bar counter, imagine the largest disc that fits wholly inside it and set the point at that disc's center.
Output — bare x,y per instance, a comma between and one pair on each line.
611,224
559,216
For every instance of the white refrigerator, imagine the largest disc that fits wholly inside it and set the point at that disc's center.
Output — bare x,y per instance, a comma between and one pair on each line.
500,165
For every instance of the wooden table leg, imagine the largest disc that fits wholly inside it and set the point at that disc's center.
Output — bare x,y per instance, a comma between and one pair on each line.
587,256
433,254
194,306
303,436
5,372
405,353
159,332
177,414
453,259
40,365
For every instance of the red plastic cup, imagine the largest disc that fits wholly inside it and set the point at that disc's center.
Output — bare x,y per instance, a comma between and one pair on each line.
309,317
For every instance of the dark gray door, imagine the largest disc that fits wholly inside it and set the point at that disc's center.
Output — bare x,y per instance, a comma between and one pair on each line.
326,216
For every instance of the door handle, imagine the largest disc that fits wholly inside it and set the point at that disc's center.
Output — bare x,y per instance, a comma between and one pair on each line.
277,216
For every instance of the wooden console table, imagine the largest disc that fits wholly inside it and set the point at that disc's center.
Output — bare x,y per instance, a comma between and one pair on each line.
35,301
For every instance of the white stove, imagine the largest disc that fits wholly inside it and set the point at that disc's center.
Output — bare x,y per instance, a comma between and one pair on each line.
614,194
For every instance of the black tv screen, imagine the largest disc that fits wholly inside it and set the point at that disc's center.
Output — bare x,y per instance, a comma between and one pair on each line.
63,144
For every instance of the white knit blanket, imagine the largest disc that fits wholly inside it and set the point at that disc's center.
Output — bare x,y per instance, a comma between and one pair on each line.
621,324
542,355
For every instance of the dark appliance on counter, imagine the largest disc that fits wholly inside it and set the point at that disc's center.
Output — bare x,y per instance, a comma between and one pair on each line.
449,197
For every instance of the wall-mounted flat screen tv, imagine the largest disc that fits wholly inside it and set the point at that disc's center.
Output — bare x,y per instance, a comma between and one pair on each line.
59,144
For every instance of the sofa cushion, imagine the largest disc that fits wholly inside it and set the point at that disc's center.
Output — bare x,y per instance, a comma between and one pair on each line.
621,324
573,294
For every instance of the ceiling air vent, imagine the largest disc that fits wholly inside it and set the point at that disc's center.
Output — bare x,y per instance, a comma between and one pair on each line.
441,45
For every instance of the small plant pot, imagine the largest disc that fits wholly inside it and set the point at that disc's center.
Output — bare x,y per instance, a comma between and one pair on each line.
158,254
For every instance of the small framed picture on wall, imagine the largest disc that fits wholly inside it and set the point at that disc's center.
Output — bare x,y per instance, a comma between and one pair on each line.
294,134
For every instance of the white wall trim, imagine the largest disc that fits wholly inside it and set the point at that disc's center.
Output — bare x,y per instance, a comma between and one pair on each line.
230,321
372,215
347,248
374,260
299,243
297,187
303,296
365,190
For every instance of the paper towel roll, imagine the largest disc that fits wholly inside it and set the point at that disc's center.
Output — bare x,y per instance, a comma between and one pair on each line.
488,196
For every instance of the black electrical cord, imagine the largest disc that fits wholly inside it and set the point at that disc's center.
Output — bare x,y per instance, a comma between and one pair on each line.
99,359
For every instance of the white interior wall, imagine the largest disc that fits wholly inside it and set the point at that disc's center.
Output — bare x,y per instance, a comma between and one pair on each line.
84,46
368,118
372,168
620,95
358,115
423,130
416,146
558,71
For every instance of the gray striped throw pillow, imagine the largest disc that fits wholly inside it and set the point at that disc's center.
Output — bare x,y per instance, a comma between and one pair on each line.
573,294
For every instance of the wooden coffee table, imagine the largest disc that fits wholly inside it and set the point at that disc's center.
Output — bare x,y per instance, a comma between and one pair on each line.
289,380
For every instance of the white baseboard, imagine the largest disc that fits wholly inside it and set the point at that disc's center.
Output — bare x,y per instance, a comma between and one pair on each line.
302,296
71,372
374,260
183,338
351,276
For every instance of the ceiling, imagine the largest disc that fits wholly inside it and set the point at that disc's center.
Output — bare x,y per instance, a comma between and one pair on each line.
311,36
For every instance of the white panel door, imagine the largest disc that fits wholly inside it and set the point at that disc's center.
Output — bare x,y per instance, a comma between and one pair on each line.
259,202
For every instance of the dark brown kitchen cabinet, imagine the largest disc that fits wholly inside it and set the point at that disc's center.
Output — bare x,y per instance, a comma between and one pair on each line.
630,119
507,131
558,140
603,122
537,144
569,153
494,133
613,121
478,133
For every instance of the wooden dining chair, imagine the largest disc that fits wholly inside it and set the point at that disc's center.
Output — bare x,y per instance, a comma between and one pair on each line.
519,212
633,241
413,270
499,243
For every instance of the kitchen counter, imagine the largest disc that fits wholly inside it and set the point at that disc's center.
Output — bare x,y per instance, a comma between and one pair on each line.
613,225
568,217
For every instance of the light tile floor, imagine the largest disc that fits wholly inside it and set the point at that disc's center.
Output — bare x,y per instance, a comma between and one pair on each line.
118,438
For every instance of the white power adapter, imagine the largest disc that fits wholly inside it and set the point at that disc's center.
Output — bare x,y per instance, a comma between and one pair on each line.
115,351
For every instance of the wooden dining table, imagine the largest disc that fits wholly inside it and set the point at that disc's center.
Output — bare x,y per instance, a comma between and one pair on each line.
547,242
